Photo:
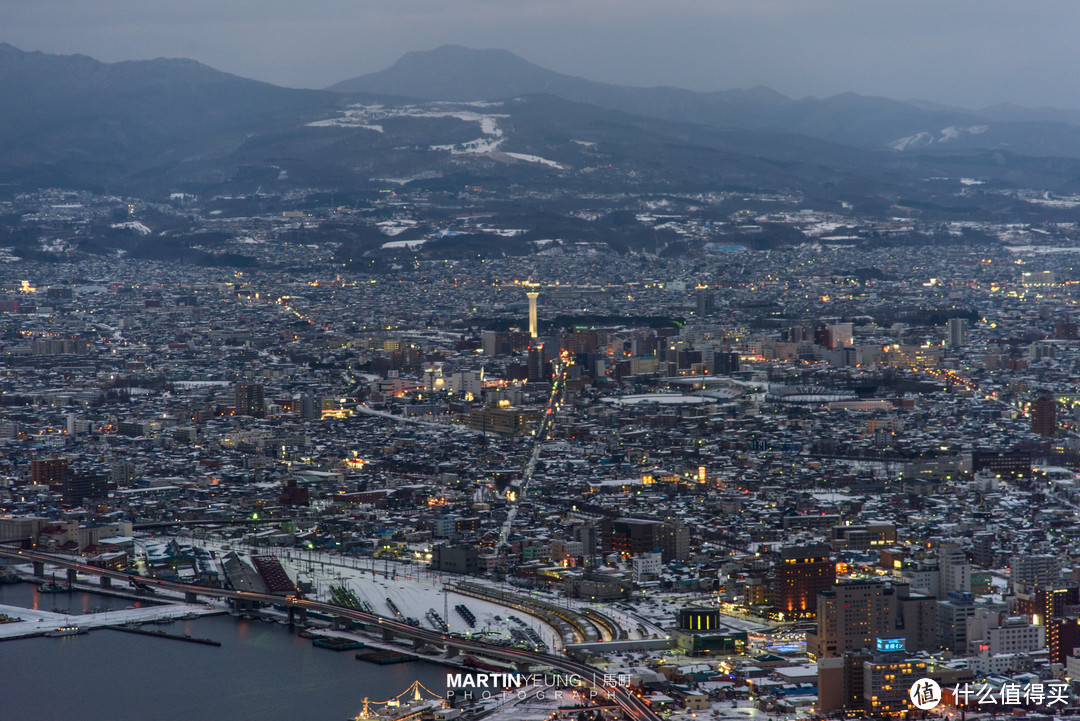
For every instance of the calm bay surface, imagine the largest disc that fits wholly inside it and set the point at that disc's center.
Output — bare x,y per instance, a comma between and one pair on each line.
261,672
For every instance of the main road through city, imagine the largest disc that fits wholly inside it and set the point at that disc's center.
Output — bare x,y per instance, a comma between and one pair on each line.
632,705
518,488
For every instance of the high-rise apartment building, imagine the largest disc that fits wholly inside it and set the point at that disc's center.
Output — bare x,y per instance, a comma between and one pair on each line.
536,364
706,302
857,615
1044,415
850,615
958,332
249,399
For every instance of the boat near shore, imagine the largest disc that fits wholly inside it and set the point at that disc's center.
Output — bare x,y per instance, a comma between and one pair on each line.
65,631
53,587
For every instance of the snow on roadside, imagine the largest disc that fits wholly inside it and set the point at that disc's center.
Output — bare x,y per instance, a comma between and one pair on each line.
133,225
404,243
536,159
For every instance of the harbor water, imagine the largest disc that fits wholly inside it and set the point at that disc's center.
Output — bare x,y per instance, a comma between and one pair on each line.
262,671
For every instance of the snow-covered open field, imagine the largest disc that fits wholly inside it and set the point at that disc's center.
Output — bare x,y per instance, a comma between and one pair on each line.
412,587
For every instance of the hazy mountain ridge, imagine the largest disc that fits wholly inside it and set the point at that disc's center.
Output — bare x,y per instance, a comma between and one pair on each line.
153,127
74,112
462,74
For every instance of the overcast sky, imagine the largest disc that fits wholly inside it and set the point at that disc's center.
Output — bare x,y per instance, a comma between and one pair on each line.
969,53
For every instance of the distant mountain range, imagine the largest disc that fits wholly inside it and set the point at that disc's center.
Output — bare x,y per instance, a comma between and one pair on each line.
71,120
160,126
462,74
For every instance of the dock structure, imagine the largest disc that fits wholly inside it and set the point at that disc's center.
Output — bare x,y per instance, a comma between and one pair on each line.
385,656
158,633
33,622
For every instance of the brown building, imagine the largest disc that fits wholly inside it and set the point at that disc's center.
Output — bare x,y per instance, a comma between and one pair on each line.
1056,610
48,471
1044,415
249,399
800,576
840,681
1047,603
635,536
538,365
1062,636
511,421
293,495
580,341
597,586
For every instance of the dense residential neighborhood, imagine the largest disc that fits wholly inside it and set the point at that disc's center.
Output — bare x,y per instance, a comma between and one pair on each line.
776,474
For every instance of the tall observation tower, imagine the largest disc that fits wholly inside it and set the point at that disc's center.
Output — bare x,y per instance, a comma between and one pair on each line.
532,295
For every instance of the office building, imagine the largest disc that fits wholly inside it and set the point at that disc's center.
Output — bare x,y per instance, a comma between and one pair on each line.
1005,464
839,335
994,632
122,472
953,615
77,488
461,558
983,548
496,343
308,407
855,615
510,421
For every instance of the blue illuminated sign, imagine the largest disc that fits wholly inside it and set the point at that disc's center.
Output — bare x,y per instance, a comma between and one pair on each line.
890,645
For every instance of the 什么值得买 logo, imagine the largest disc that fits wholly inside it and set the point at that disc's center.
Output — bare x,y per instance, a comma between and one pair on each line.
925,694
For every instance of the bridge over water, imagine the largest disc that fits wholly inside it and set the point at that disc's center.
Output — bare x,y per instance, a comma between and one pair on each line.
635,708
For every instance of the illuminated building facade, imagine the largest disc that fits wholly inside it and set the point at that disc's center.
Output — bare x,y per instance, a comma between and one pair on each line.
800,576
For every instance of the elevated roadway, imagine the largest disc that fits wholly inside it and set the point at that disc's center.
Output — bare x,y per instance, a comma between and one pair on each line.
634,707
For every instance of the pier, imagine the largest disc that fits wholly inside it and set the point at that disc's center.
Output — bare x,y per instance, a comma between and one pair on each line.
165,634
38,623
